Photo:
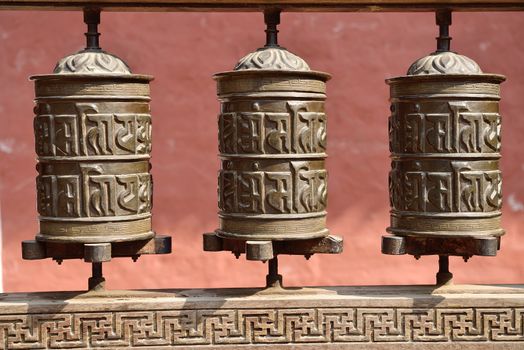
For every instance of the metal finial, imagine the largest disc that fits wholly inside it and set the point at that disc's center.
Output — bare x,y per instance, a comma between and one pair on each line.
272,20
443,19
92,19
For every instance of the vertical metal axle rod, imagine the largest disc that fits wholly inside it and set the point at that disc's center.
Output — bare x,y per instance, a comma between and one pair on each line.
443,18
272,20
273,279
443,275
92,19
97,282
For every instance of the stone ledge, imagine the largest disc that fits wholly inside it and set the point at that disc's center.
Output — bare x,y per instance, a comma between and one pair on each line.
370,318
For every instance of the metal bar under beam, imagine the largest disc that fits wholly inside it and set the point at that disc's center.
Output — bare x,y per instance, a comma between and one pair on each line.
257,5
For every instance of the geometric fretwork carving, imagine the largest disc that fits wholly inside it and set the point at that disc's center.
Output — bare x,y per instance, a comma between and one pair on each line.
165,328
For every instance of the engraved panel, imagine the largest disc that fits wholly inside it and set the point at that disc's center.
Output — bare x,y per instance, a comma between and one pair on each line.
93,141
271,82
452,127
90,133
258,326
272,143
299,129
282,188
92,192
461,187
445,139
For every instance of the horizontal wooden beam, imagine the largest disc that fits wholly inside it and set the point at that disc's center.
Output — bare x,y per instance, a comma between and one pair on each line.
357,318
257,5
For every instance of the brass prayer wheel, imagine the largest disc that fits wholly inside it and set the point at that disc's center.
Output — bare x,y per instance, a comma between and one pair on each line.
445,182
93,141
272,141
272,184
272,136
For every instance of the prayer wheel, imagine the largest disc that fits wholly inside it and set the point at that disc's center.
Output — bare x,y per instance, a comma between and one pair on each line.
272,184
92,130
93,141
272,141
445,182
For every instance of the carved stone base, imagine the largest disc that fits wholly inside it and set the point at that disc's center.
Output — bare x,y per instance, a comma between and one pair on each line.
362,318
96,252
457,246
267,250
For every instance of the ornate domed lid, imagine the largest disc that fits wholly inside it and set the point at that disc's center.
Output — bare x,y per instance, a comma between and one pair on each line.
273,58
446,62
91,62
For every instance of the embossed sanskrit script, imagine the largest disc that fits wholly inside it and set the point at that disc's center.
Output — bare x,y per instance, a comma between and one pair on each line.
300,130
89,133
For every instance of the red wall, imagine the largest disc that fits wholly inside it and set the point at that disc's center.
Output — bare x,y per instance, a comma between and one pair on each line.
183,50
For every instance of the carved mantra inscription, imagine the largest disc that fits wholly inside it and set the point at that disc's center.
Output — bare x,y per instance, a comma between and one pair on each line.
299,130
265,185
273,188
454,182
466,187
93,182
167,328
94,192
445,173
272,146
452,127
90,133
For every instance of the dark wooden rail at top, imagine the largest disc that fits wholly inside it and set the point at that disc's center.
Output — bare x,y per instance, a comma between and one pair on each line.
255,5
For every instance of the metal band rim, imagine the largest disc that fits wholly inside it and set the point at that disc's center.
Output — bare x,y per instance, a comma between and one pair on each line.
95,238
223,215
100,219
453,215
